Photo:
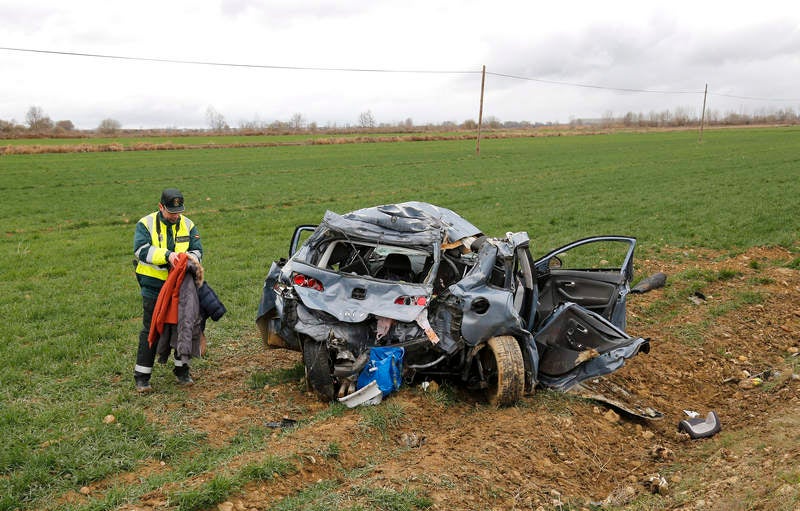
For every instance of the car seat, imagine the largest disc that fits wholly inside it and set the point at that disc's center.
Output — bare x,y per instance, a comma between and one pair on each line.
396,267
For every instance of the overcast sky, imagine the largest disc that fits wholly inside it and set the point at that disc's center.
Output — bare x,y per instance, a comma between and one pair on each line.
744,49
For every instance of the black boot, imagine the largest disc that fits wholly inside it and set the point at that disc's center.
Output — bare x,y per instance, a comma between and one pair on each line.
142,382
182,374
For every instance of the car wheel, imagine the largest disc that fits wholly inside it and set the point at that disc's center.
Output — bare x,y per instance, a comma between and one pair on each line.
317,360
504,370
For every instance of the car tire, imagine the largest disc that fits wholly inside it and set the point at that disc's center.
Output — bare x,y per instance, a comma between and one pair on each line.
504,369
317,360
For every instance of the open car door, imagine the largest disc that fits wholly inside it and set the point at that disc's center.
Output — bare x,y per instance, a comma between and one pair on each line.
581,311
300,235
593,272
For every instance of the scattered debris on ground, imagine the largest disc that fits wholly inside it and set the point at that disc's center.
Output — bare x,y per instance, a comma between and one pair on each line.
554,450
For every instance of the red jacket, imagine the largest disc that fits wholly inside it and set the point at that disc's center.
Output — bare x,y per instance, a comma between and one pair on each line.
166,310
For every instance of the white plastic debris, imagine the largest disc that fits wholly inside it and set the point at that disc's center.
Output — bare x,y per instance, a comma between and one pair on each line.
367,395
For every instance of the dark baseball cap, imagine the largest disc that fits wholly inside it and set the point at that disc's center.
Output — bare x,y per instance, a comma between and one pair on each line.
172,199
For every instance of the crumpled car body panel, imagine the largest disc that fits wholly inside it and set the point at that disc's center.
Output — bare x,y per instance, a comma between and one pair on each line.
372,296
577,344
422,277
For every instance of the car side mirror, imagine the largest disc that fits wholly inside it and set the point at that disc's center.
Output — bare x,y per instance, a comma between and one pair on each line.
554,263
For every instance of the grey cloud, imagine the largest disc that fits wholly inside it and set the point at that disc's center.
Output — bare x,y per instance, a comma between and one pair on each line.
288,12
24,18
572,57
657,55
756,43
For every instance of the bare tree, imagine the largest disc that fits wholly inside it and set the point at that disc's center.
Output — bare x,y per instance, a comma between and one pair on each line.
366,119
215,120
254,125
628,119
492,122
298,121
608,118
277,125
682,116
65,125
7,126
37,120
109,126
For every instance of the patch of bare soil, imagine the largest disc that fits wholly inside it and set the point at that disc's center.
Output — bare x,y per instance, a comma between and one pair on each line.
733,352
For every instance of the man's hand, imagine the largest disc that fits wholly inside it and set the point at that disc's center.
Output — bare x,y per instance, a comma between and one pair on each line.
173,258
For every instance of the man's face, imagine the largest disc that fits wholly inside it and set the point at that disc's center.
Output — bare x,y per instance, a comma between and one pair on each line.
169,217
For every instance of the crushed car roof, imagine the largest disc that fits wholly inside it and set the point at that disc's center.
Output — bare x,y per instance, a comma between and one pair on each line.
407,223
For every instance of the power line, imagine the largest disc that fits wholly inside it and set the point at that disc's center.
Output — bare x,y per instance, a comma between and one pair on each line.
230,64
374,70
625,89
752,97
591,86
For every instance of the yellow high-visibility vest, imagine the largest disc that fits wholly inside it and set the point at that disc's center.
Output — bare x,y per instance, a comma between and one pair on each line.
156,265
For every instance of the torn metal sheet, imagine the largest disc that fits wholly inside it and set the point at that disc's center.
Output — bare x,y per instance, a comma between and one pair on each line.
609,393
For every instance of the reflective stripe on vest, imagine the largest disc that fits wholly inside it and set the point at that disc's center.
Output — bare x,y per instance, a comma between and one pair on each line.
158,241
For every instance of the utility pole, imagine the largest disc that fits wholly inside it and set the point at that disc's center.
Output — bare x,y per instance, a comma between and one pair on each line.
480,112
703,116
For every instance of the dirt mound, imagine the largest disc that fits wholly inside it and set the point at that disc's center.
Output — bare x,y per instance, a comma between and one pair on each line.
725,334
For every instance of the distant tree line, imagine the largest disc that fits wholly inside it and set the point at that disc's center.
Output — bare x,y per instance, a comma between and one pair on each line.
39,124
685,117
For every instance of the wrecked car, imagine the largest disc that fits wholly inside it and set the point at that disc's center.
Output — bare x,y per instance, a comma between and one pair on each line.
466,307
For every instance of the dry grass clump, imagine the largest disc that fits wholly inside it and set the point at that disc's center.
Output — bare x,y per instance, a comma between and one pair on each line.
88,147
78,148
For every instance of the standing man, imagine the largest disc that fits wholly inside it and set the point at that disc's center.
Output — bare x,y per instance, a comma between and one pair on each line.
159,237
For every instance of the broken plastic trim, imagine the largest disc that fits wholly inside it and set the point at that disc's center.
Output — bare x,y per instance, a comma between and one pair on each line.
701,428
654,281
370,394
286,422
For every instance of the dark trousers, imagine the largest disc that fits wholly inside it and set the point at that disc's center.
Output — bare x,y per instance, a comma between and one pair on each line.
145,356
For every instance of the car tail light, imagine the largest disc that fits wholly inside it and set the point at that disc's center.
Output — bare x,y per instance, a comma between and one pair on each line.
411,300
301,280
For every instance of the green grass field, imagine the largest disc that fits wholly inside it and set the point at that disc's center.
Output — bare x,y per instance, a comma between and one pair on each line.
70,304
